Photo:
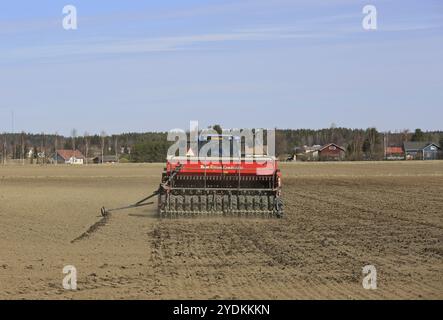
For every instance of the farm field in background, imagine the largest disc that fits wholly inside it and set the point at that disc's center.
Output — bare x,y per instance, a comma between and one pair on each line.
339,217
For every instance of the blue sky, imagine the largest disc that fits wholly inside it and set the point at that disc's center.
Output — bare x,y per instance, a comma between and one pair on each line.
155,65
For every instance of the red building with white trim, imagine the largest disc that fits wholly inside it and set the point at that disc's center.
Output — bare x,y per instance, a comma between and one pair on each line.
331,152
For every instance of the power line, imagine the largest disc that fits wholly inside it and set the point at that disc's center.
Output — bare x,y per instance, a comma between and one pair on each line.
12,120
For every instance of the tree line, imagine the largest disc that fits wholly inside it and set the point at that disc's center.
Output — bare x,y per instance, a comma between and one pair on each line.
360,144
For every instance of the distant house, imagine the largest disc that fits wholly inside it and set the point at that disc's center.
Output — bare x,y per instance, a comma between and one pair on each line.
395,153
307,153
418,150
106,159
69,157
332,152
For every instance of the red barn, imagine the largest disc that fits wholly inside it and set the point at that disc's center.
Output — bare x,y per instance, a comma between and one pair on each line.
330,152
394,153
69,157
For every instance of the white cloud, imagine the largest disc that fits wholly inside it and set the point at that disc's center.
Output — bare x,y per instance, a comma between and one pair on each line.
145,45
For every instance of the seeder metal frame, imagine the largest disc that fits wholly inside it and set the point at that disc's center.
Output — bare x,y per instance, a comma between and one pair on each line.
208,194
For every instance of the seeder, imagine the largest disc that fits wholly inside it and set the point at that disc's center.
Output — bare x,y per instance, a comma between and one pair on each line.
191,185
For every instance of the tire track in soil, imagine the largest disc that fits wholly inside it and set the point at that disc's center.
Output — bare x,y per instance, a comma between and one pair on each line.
287,268
221,257
387,266
241,272
388,263
186,244
248,236
375,196
322,255
316,255
244,232
376,214
361,209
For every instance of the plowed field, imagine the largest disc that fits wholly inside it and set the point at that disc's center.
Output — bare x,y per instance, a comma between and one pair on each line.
339,217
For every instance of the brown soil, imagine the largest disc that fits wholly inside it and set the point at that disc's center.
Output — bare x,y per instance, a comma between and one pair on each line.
339,218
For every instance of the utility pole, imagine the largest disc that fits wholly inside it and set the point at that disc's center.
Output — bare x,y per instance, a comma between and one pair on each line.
74,135
55,148
23,148
12,120
13,146
86,140
116,151
102,139
45,155
39,158
4,149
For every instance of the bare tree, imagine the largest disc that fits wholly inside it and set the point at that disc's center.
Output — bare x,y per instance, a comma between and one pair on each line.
102,143
73,136
372,139
116,148
22,143
55,148
86,141
39,153
43,148
4,149
13,146
332,132
405,135
355,147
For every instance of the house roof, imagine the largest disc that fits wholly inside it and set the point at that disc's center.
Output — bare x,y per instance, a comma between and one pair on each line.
418,145
331,144
68,154
308,148
394,150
